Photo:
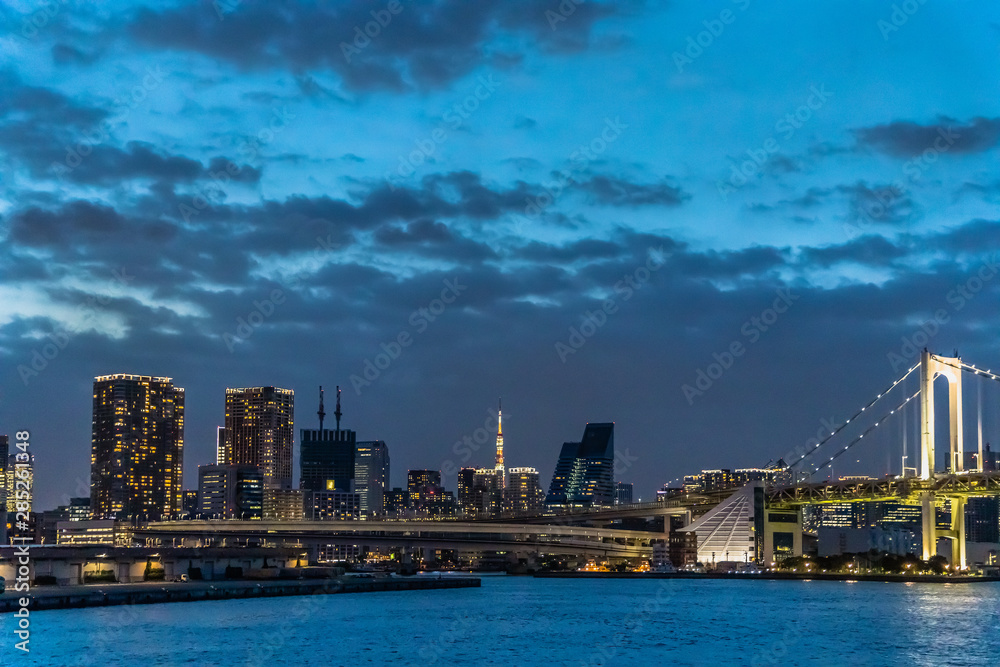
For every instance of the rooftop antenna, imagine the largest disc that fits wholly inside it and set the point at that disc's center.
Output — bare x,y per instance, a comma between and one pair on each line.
322,412
337,413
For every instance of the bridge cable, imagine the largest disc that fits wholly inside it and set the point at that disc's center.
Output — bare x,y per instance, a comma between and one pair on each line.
855,416
866,432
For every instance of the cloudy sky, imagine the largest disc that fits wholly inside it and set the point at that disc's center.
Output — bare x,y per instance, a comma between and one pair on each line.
594,204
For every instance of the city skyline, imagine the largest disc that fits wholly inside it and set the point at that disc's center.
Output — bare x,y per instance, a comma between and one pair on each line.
529,206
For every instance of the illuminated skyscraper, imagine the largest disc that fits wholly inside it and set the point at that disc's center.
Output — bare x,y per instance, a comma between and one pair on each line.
501,470
221,451
259,432
371,475
137,447
524,490
584,473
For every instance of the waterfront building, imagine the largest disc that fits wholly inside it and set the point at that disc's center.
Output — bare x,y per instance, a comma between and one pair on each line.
259,432
137,447
284,504
623,493
524,491
717,480
834,541
466,495
487,492
230,492
426,495
982,519
333,505
371,475
584,473
396,502
189,504
222,455
94,532
24,472
682,548
46,527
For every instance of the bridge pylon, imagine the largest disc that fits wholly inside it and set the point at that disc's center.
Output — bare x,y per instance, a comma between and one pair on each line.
932,366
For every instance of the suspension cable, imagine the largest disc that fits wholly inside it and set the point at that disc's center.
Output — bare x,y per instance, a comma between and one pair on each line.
855,416
866,432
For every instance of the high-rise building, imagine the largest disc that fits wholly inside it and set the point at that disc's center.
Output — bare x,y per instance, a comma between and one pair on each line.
426,495
396,501
230,492
137,447
584,473
487,491
371,475
222,456
982,519
327,457
189,504
259,432
524,491
466,495
500,468
623,493
20,495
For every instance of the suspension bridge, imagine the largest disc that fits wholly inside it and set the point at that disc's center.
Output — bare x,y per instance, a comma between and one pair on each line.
930,485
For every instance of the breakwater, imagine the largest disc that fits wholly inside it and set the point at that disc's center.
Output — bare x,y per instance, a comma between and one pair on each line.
71,597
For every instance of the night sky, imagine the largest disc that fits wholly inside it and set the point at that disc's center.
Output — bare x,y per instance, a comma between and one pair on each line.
592,203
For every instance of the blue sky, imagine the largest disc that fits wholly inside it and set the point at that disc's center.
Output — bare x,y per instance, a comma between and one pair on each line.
232,150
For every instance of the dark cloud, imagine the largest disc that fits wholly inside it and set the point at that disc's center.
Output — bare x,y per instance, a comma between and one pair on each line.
425,45
907,139
614,191
868,250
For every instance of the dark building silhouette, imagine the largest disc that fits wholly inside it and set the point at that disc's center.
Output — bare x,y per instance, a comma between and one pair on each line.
327,459
584,473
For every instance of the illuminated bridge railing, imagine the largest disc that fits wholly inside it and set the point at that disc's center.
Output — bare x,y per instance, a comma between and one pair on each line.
889,489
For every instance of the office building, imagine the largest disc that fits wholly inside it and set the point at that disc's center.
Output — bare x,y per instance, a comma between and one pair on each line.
623,493
584,473
426,495
371,475
230,492
222,455
21,497
284,504
396,502
466,495
487,492
524,493
137,447
259,432
333,505
327,459
46,526
189,504
982,519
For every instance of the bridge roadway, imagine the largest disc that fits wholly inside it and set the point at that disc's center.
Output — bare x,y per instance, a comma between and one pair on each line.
436,534
899,489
